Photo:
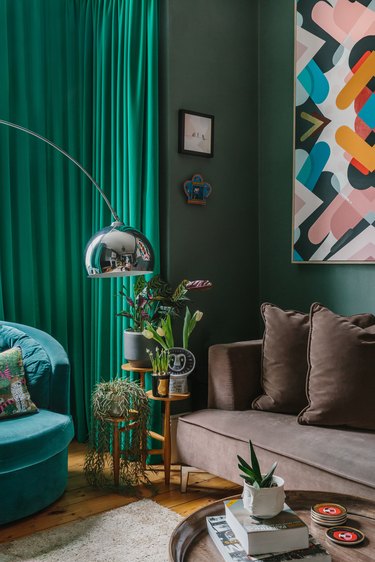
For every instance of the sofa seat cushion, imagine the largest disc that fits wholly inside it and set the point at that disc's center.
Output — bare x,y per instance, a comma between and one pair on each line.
342,452
29,440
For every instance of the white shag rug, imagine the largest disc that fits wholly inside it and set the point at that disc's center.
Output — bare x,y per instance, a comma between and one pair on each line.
138,532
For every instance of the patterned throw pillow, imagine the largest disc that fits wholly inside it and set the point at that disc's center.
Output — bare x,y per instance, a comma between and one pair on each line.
14,396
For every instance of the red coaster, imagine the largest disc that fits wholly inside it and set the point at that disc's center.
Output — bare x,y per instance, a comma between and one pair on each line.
328,510
345,536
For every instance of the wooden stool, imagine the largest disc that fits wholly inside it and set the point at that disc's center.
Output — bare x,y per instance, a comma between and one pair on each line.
131,423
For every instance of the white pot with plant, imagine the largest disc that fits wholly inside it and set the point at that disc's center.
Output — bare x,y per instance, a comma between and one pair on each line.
151,302
181,360
263,494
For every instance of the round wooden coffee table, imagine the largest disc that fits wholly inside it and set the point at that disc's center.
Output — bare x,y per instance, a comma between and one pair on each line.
190,541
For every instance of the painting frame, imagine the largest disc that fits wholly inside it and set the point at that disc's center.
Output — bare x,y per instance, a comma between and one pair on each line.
196,133
329,232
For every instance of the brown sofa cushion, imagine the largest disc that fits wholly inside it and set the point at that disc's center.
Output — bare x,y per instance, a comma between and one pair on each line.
284,360
340,383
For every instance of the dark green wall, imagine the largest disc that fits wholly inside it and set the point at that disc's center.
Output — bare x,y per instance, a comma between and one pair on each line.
345,288
209,64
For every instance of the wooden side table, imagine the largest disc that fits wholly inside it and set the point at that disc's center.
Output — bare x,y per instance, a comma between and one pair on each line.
129,423
166,438
140,370
165,451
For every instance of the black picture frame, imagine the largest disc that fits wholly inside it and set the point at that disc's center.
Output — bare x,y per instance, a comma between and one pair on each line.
201,141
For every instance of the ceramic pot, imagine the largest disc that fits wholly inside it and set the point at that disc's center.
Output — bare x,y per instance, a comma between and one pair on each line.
264,502
135,349
160,385
178,384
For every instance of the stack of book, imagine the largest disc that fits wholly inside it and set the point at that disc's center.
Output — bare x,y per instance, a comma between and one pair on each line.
242,538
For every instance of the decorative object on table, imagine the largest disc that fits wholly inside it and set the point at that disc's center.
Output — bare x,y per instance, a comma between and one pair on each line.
334,133
160,374
282,533
329,514
151,302
124,402
196,133
14,395
116,250
345,536
263,495
231,549
197,190
182,362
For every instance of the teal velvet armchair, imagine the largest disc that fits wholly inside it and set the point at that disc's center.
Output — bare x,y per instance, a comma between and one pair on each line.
34,448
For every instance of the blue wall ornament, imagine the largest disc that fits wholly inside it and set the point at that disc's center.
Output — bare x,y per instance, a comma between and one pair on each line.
197,190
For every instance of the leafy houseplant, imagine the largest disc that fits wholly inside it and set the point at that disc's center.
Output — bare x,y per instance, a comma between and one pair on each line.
263,494
152,301
117,399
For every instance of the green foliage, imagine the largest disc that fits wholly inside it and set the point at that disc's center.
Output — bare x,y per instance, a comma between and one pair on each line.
163,335
189,325
159,360
153,301
117,399
252,474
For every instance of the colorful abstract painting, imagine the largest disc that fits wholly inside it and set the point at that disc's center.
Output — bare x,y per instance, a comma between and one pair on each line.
334,189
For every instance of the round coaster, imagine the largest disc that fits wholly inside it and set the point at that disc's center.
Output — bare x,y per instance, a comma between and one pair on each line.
329,523
346,536
328,510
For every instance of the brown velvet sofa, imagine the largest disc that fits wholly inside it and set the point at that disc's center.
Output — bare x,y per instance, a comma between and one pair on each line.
310,457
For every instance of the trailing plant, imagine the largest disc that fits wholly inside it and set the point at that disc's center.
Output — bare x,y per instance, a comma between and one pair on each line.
159,361
164,333
117,399
252,474
154,300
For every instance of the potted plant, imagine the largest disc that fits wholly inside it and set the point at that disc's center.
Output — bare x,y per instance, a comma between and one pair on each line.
117,399
160,374
263,494
151,302
181,360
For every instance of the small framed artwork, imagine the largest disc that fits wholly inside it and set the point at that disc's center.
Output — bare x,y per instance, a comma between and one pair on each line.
196,133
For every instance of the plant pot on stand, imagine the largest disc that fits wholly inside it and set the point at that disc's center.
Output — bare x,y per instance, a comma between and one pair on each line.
135,349
181,364
160,385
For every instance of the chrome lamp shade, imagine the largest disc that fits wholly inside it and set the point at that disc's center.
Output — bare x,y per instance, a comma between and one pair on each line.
117,251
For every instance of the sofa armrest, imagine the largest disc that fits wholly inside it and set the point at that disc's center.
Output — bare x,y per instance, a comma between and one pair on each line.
234,375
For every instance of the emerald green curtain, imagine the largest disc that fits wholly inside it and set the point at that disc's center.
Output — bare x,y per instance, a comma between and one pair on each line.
83,73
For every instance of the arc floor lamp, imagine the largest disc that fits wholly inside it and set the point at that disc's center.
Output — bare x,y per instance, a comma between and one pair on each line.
116,250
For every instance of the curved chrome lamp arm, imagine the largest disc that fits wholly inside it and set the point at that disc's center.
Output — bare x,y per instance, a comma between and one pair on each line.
116,250
9,124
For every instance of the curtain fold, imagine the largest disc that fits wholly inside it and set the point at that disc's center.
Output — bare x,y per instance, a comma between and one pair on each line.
85,75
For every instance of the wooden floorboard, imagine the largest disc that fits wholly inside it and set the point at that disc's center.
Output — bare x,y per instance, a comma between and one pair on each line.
81,500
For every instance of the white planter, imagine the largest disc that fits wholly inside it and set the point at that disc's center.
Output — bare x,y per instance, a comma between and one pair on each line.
264,502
